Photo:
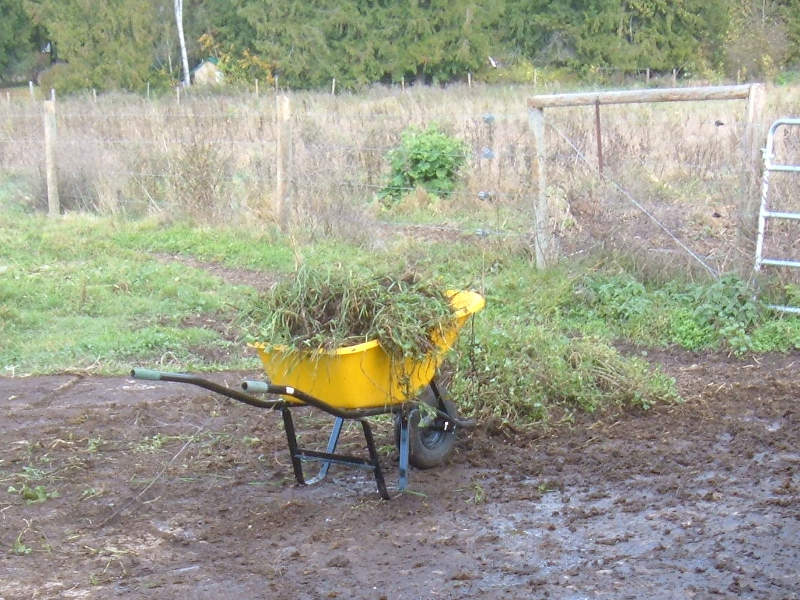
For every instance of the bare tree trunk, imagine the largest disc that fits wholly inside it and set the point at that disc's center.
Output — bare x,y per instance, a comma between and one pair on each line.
181,39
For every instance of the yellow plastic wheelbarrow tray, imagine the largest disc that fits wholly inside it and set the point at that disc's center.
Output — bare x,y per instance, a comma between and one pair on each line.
364,375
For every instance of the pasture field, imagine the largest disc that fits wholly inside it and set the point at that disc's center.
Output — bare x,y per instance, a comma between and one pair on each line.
213,158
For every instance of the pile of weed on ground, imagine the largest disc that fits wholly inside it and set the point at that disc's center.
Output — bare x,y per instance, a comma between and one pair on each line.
321,310
525,373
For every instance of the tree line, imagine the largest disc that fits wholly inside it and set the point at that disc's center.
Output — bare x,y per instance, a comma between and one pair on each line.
128,44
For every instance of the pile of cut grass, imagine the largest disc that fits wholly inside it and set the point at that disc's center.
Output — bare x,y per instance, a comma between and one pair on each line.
320,310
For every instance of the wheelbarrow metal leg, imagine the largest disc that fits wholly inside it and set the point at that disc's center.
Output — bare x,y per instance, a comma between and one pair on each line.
402,480
332,441
298,455
373,455
291,440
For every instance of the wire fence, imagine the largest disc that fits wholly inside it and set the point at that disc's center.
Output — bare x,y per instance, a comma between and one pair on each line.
671,192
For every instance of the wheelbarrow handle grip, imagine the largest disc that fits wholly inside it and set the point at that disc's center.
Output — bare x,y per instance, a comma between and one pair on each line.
150,374
257,387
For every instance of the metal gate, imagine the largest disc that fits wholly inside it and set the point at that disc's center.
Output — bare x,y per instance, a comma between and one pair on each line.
765,212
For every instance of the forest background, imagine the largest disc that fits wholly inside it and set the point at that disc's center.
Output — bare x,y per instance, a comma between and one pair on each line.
133,45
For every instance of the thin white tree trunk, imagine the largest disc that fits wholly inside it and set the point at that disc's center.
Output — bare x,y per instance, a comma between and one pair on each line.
184,57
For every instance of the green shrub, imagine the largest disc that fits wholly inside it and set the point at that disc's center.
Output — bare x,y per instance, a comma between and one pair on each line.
429,159
728,306
619,297
780,335
688,332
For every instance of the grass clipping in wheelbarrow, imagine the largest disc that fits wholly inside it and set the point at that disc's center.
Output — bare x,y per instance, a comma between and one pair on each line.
319,311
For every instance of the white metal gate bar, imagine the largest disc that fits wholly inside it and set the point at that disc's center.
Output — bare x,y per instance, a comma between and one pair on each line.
764,213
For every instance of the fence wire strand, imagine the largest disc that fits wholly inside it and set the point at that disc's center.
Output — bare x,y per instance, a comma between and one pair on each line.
636,203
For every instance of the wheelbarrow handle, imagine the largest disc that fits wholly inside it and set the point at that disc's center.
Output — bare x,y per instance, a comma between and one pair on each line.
241,396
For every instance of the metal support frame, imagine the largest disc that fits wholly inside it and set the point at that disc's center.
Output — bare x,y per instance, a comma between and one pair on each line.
402,467
301,454
765,212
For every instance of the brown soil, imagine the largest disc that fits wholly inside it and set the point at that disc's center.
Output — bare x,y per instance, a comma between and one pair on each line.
167,491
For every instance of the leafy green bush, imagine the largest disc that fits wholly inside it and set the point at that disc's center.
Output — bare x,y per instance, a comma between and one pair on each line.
728,306
779,335
688,332
430,159
721,314
619,297
791,294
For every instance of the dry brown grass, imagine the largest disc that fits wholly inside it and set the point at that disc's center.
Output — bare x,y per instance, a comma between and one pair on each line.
212,158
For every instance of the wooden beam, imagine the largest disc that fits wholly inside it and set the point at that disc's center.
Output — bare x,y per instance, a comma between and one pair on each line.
727,92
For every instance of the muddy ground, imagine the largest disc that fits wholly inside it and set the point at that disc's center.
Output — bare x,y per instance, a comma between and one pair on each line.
115,488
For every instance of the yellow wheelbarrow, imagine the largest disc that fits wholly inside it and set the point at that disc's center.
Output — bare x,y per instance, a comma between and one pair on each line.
353,383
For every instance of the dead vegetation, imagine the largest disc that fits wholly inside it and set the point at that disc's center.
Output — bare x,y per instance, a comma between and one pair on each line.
213,158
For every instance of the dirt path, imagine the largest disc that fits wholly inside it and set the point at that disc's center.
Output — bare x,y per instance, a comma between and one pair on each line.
164,491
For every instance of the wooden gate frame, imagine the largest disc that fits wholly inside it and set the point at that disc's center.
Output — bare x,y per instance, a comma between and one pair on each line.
755,95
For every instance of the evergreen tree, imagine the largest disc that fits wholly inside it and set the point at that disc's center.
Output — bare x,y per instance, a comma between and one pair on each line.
361,41
587,35
126,43
20,42
435,40
790,12
105,45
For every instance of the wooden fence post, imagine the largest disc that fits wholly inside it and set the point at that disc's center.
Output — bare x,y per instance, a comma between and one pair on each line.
598,135
283,163
53,204
752,161
756,98
540,209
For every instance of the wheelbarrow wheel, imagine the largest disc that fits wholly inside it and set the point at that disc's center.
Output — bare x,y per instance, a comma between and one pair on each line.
429,444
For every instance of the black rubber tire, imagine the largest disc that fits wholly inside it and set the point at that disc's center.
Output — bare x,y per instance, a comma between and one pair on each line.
428,446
